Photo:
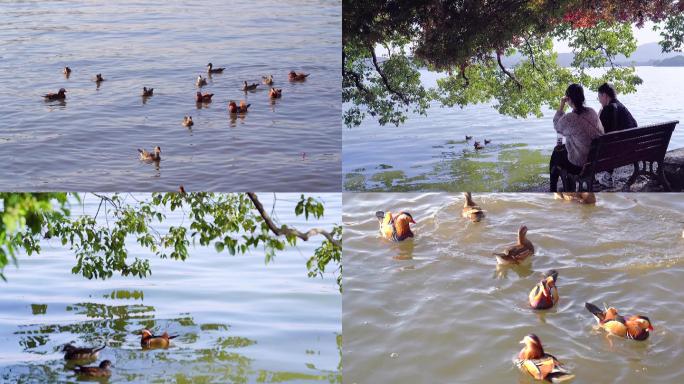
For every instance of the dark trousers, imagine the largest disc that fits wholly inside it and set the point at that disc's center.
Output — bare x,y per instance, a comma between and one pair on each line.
559,158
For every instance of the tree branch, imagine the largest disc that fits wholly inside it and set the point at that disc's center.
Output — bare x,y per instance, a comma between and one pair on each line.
284,230
504,70
384,78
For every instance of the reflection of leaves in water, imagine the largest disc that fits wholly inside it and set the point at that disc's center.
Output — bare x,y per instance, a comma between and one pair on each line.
203,353
122,294
39,309
514,168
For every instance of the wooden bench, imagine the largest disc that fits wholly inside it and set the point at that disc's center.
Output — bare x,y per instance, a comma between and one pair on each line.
641,146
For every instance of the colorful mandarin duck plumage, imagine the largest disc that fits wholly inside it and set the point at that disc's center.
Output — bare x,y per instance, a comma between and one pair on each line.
275,93
630,327
150,156
395,228
99,371
75,353
544,295
60,95
533,361
297,76
234,108
148,340
471,211
203,97
515,254
211,69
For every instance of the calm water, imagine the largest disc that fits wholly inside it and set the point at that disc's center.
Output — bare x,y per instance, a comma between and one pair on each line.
430,152
435,309
90,141
239,320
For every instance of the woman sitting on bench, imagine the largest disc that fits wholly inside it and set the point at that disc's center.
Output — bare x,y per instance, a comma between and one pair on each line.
579,128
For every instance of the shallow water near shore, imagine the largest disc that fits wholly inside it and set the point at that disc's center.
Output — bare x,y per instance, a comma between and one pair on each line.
238,320
436,309
89,142
430,153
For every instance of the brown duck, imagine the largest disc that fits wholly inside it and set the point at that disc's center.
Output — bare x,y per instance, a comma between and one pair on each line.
147,92
275,93
234,108
76,353
203,97
515,254
150,156
101,370
635,327
544,295
249,87
297,76
471,211
211,69
98,78
60,95
148,340
395,228
201,81
66,71
187,121
533,361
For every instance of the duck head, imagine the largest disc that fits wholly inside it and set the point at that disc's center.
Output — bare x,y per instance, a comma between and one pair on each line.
98,77
550,280
643,322
106,364
62,91
522,233
210,65
157,151
67,347
468,199
533,348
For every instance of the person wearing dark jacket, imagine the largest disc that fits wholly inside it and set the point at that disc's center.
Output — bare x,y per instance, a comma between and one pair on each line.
614,115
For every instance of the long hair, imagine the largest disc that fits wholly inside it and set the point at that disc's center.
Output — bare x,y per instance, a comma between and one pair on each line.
576,94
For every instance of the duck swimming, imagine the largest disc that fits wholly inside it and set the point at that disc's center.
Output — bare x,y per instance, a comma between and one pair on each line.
99,371
187,121
579,197
147,92
295,76
478,146
60,95
545,294
249,87
201,81
75,353
150,156
98,78
533,361
395,228
468,137
203,98
267,80
275,93
66,71
471,211
487,141
234,108
633,327
148,340
211,69
515,254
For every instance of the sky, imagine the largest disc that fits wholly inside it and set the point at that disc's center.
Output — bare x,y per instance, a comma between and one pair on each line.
644,35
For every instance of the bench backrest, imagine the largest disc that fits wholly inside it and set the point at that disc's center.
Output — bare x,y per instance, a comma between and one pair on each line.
616,149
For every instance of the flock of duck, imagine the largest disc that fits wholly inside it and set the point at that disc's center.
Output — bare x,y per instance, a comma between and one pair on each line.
532,359
200,98
104,369
478,145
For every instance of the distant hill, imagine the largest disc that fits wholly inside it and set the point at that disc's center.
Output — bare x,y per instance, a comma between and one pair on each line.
646,54
677,61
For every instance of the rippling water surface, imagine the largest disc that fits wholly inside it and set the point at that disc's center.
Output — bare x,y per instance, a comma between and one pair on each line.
89,141
436,310
239,320
431,153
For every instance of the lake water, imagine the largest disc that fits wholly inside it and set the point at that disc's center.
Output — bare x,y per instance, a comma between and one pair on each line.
239,320
436,310
431,153
90,141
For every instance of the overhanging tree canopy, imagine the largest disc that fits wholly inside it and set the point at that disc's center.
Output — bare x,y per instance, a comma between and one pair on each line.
234,223
467,40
